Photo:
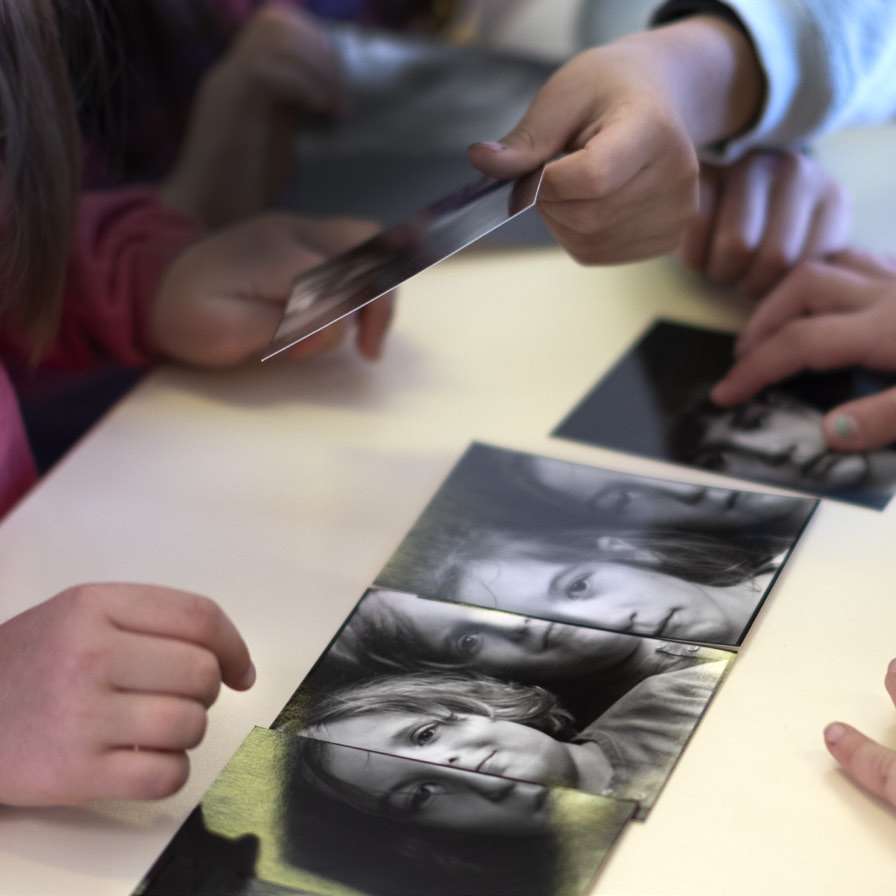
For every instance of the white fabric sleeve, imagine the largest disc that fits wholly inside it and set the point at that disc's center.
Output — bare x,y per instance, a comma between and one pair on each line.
828,64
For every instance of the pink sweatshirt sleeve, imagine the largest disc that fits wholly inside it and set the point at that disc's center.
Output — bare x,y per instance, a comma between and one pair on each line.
124,241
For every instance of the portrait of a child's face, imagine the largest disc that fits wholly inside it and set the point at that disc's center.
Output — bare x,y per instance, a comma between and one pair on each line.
655,401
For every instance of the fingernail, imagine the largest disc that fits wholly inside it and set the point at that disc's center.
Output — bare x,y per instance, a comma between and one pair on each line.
845,427
891,669
834,732
491,145
249,677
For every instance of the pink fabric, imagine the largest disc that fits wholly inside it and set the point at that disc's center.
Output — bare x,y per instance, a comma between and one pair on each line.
17,471
125,240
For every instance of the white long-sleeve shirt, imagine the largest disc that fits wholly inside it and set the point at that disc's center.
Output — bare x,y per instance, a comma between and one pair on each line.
828,64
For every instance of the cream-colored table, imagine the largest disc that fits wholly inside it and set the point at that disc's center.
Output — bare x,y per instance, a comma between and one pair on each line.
280,490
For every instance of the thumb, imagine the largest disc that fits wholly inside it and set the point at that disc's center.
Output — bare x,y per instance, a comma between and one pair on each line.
547,128
862,424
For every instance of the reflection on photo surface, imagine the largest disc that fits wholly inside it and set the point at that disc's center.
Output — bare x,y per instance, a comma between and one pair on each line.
322,816
655,401
566,542
508,695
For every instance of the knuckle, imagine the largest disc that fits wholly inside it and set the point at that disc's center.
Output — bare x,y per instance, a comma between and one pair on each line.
767,269
774,259
162,778
85,662
206,676
526,135
881,770
204,617
731,253
82,599
179,724
194,725
795,166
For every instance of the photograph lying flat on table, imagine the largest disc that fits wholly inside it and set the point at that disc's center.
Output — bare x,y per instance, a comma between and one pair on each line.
517,686
571,543
289,814
507,695
655,402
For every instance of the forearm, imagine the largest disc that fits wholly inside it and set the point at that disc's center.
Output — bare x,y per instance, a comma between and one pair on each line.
827,64
124,242
710,71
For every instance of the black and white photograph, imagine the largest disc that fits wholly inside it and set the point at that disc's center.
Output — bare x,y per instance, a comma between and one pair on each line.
655,402
291,814
571,543
349,281
508,695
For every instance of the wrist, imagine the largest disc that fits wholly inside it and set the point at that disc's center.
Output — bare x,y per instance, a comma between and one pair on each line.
710,72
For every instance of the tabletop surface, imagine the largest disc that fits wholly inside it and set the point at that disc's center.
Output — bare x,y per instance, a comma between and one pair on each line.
281,489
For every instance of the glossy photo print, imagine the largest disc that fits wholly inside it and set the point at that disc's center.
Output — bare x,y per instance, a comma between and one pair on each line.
290,814
508,695
349,281
655,402
570,543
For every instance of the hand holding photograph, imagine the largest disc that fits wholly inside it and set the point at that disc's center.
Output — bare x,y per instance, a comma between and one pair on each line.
655,402
343,284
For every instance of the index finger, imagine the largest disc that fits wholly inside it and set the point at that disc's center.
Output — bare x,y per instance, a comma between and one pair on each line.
374,320
182,615
817,343
815,287
866,762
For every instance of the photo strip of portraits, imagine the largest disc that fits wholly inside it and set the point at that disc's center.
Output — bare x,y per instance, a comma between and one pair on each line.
513,689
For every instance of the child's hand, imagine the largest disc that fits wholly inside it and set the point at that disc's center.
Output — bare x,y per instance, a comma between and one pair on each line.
825,315
104,688
630,114
869,764
238,149
761,216
222,298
